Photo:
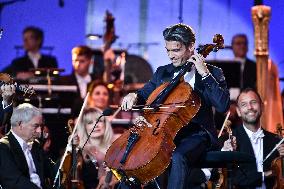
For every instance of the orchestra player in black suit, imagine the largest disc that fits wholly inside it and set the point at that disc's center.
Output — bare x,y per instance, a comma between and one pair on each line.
22,163
33,58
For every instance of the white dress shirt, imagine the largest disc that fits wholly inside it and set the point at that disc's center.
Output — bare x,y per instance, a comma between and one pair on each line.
29,158
256,139
34,58
189,77
83,83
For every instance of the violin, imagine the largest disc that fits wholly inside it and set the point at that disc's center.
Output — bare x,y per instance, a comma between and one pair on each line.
72,166
277,166
222,182
144,152
7,79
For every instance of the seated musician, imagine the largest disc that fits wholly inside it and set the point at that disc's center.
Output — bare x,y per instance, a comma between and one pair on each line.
81,61
251,138
93,170
32,41
207,81
22,164
80,76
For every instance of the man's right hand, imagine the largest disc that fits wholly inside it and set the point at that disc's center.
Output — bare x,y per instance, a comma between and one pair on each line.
230,144
128,101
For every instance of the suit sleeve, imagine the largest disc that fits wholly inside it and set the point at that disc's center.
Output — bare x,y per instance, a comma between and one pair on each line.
148,88
10,176
217,91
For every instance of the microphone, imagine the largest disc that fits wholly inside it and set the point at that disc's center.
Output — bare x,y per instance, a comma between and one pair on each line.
107,112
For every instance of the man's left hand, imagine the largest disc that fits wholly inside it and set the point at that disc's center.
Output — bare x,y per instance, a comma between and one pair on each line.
281,149
199,61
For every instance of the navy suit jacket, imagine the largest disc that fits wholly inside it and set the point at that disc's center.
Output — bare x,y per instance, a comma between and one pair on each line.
212,91
246,175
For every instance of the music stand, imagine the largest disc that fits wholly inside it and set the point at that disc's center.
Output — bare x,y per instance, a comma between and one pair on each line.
48,73
231,70
222,159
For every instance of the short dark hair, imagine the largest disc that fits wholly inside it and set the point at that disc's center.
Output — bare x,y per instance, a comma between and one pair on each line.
83,50
37,33
246,90
180,32
242,35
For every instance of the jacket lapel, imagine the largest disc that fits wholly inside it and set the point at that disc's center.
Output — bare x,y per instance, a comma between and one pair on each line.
18,154
167,73
244,144
28,62
198,85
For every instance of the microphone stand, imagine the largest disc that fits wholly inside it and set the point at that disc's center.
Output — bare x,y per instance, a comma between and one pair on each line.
69,142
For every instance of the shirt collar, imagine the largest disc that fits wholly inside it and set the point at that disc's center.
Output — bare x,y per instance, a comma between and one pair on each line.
85,79
36,55
241,60
249,132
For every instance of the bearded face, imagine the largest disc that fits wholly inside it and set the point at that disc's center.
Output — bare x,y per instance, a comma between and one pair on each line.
249,108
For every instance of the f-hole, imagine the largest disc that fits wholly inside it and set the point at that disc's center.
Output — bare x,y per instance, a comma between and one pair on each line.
155,131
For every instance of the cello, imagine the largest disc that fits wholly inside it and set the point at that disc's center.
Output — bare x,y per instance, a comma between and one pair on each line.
144,152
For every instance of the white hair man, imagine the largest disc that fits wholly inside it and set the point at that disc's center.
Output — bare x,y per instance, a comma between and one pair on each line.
20,153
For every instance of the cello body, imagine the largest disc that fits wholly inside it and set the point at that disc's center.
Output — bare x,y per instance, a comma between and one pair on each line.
152,152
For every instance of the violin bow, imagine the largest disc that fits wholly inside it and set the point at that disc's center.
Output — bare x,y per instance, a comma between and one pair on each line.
227,117
270,153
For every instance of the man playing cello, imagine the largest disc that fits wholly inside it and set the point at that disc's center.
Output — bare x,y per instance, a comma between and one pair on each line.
210,85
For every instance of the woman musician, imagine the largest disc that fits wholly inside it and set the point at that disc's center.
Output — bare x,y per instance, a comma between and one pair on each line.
93,170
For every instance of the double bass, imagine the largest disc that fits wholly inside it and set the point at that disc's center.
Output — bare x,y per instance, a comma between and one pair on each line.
145,151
